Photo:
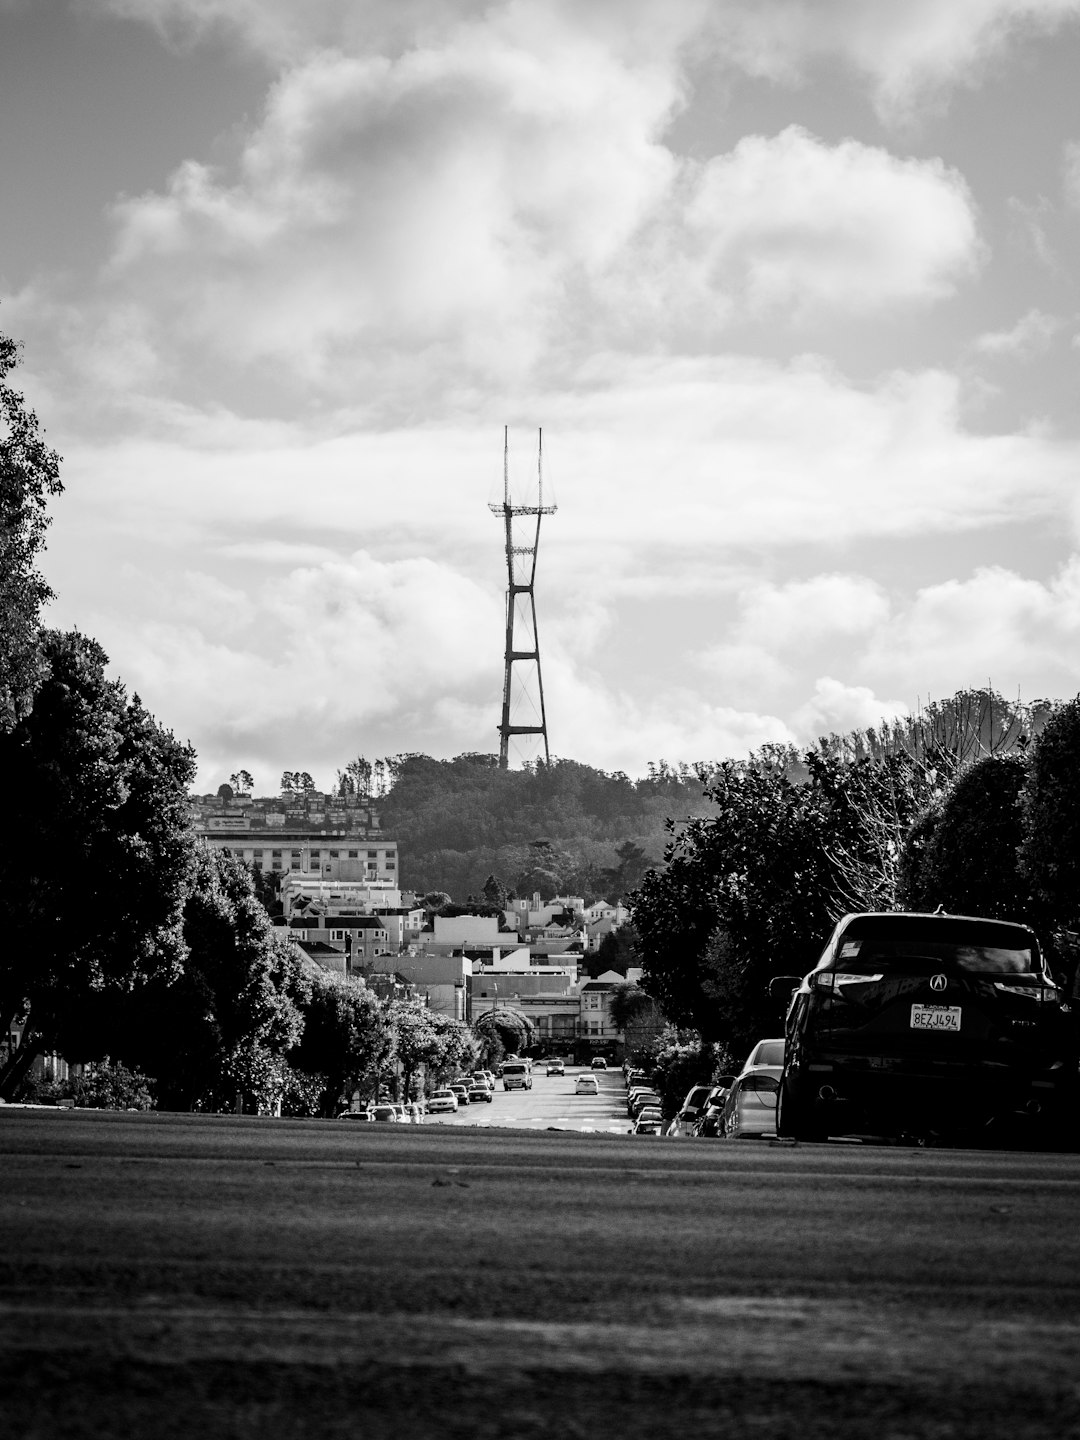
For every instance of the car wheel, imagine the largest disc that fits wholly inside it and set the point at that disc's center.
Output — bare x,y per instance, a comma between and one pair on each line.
797,1117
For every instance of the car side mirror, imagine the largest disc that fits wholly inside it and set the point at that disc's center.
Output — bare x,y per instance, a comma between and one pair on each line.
781,986
726,1081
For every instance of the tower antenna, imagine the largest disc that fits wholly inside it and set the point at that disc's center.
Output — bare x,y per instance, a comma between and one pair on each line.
521,603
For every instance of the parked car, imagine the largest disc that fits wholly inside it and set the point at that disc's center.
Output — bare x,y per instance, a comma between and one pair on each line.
479,1077
689,1111
750,1104
478,1093
710,1120
461,1090
598,1063
556,1067
650,1123
637,1098
927,1025
442,1102
586,1085
363,1115
385,1114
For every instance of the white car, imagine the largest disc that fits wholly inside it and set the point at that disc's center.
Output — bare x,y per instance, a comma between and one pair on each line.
441,1102
586,1085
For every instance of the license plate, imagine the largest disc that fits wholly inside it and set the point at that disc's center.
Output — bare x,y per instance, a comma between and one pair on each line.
935,1017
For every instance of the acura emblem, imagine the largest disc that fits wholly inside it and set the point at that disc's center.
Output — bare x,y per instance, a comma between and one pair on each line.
938,982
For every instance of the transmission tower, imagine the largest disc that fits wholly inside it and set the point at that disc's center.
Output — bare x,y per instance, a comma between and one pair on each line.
521,605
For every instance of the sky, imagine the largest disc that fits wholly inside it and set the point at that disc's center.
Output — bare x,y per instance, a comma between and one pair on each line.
789,285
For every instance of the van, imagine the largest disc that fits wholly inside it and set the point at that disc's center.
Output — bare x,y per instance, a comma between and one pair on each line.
517,1075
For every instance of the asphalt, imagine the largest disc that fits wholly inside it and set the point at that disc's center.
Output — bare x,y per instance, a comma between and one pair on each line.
228,1276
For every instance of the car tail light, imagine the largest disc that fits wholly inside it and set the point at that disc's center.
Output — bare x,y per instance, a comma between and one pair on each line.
1041,994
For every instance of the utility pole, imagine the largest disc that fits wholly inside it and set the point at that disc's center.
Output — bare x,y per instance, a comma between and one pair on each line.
521,608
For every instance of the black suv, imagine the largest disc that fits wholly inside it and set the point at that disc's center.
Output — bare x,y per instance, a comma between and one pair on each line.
927,1025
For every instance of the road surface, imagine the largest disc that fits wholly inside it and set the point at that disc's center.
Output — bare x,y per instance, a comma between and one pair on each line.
201,1277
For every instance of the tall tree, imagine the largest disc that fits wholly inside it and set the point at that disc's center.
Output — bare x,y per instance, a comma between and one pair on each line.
346,1041
1050,806
29,476
91,899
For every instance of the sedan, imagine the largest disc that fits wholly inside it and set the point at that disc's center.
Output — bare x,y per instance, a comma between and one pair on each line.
649,1124
462,1093
586,1085
441,1102
385,1113
478,1094
556,1067
750,1106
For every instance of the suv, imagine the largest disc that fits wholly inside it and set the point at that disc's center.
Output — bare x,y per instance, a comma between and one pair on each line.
925,1025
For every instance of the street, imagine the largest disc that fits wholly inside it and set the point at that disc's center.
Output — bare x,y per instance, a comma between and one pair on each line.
551,1103
177,1275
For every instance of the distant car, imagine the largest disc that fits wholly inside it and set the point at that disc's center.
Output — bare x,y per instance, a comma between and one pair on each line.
517,1075
586,1085
709,1121
556,1067
639,1097
479,1077
689,1111
648,1124
385,1114
479,1093
442,1102
462,1093
364,1115
598,1062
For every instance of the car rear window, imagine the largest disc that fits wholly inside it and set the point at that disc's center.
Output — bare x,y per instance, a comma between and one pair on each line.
925,943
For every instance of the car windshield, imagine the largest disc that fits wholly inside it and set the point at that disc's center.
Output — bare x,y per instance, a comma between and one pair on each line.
925,944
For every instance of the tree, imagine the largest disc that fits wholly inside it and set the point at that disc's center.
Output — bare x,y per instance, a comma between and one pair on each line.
503,1032
91,900
962,852
242,782
495,893
628,874
225,1024
29,476
629,1002
1049,853
346,1040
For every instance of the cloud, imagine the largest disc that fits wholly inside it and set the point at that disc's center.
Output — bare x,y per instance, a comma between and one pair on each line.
836,708
1029,337
911,55
1070,173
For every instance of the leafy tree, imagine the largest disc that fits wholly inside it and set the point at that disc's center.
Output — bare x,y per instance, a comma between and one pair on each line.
226,1022
503,1032
620,949
629,1003
628,874
346,1039
962,852
91,898
1050,806
495,893
29,476
242,782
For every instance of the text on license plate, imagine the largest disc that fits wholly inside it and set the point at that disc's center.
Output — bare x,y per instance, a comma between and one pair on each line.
935,1017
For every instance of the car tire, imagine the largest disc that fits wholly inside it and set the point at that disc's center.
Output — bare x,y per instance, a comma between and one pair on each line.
796,1116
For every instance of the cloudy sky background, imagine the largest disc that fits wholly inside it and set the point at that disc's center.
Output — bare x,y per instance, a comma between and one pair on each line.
789,284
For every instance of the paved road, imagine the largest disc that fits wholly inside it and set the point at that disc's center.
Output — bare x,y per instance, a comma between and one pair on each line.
190,1276
551,1103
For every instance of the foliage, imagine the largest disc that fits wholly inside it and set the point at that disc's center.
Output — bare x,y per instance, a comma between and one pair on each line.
620,949
503,1032
29,475
629,1003
679,1061
296,782
242,782
91,898
104,1085
962,851
346,1040
1050,806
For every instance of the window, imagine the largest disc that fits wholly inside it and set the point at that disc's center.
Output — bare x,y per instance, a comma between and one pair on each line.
390,864
315,854
276,854
354,854
258,865
257,854
373,854
277,864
